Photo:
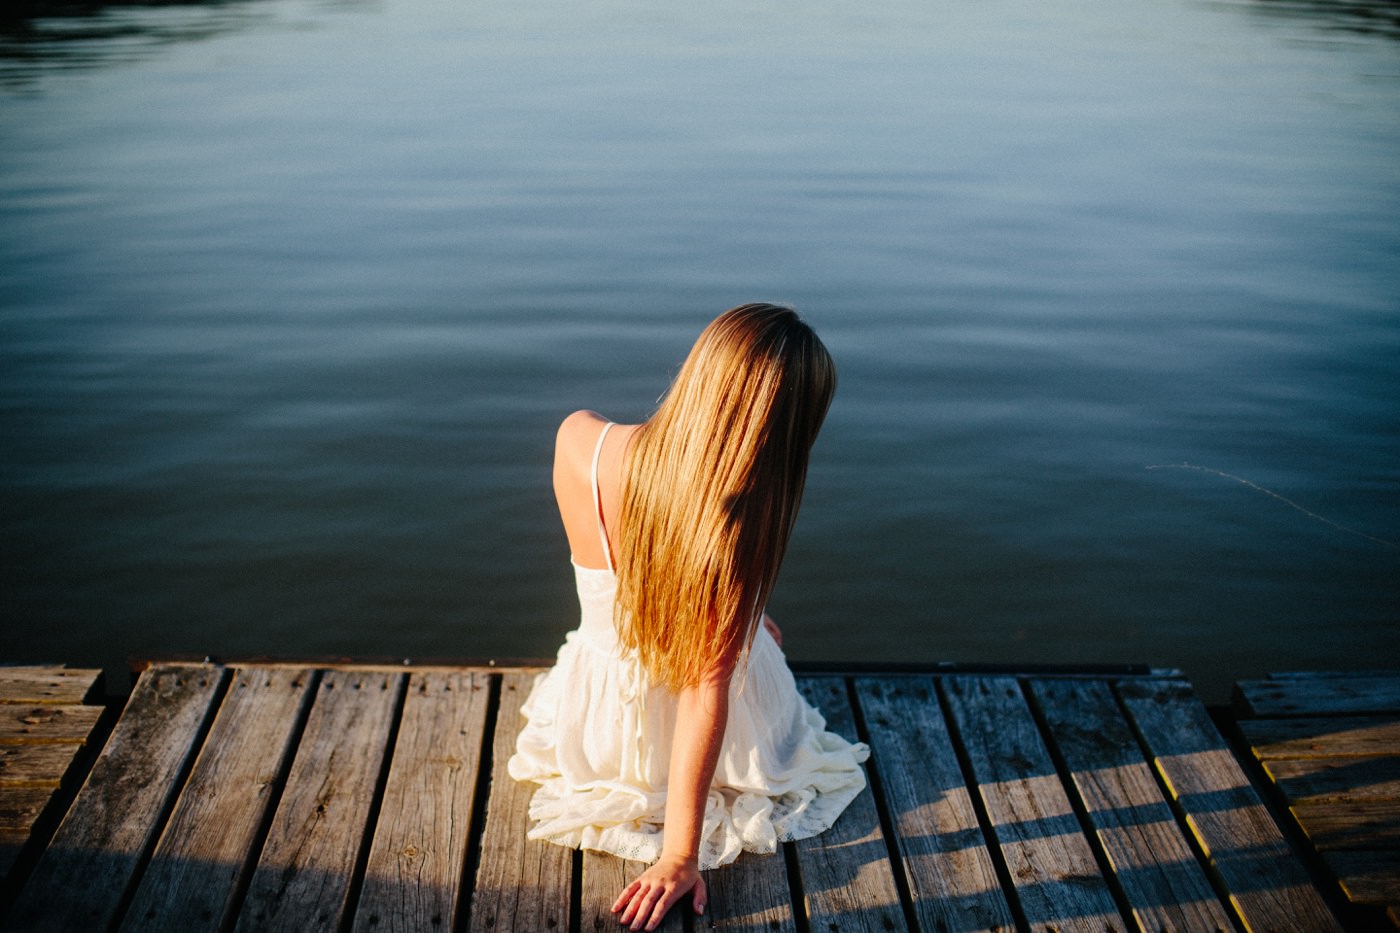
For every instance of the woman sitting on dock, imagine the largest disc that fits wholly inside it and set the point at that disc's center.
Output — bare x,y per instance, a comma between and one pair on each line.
671,705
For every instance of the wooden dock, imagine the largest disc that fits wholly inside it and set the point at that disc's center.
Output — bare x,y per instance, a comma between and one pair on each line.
47,715
1330,744
358,798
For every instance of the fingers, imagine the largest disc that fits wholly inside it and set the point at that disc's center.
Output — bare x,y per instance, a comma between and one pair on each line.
645,902
700,897
626,896
648,907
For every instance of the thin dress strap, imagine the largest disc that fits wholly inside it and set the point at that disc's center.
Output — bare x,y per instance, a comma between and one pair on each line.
598,496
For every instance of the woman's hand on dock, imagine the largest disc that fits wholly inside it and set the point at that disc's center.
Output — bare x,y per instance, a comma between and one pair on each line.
645,901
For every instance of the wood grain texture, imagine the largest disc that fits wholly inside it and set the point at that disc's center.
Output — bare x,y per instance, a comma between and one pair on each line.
413,877
1268,886
847,881
1313,737
604,879
750,895
520,884
303,877
116,815
1164,883
1052,865
20,807
35,765
28,724
205,851
973,787
1368,877
1308,780
1350,824
49,684
1320,696
948,868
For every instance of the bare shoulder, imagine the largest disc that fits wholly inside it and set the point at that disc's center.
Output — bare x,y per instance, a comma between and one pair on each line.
577,432
581,421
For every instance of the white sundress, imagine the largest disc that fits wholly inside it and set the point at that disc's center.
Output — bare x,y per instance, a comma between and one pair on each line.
598,743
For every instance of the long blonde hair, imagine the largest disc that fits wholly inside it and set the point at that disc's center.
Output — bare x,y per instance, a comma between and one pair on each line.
711,489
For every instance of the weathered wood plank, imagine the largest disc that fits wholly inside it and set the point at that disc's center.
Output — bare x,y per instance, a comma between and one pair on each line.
302,881
116,815
36,723
207,846
604,878
1311,737
1163,881
1320,696
520,884
1351,824
749,895
1303,780
49,684
847,881
949,870
1268,886
1368,876
20,807
36,765
1052,865
413,877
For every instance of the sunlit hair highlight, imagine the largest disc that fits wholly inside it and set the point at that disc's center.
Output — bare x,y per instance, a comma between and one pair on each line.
712,485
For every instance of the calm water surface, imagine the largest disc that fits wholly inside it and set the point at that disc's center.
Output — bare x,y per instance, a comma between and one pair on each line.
293,294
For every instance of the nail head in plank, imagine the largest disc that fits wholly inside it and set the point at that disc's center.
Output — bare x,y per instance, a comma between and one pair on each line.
26,724
1056,877
413,877
302,881
1163,881
846,874
196,871
115,816
521,884
951,876
1268,886
62,685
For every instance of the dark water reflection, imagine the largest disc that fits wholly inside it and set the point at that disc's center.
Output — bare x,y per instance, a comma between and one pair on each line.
292,296
40,36
1367,18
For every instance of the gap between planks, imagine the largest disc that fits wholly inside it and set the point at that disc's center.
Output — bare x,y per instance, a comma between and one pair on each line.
995,801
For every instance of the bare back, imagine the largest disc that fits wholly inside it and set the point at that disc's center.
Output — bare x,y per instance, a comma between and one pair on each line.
574,449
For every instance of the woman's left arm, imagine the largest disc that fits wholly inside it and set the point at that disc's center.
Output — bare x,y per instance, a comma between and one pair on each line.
702,711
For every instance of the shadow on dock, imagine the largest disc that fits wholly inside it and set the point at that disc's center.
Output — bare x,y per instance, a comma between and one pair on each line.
305,797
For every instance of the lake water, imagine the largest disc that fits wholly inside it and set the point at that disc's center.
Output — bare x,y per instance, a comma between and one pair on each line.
293,294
